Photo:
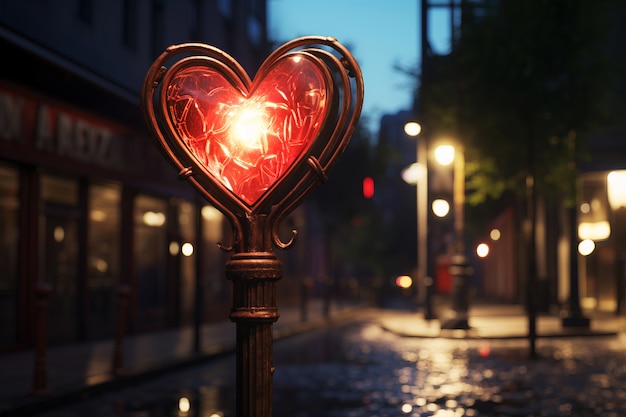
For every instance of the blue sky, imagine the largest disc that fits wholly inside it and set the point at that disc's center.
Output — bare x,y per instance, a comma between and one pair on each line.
379,33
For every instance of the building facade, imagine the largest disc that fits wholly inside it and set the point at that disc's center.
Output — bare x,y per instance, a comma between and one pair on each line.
601,213
87,203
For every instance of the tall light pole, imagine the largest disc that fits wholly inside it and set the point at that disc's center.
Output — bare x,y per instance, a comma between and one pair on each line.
459,269
413,129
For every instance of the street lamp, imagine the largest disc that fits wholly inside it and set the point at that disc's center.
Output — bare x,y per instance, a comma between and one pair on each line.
417,175
444,154
412,129
254,149
447,154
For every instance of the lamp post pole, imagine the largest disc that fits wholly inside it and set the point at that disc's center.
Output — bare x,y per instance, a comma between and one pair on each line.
413,129
254,272
254,149
422,231
459,268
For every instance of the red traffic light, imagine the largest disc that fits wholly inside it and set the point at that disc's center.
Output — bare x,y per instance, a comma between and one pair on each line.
368,187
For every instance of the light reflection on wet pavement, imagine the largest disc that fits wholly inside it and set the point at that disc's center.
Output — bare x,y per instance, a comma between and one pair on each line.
361,370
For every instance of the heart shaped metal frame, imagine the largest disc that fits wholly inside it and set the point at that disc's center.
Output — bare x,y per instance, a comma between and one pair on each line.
344,90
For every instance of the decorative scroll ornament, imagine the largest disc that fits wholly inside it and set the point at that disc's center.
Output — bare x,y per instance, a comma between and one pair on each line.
254,147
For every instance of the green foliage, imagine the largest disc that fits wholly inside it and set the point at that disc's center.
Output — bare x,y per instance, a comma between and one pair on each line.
483,177
523,85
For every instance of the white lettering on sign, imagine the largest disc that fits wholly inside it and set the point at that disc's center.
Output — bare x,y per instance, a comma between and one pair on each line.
65,134
27,121
10,117
83,140
44,138
76,138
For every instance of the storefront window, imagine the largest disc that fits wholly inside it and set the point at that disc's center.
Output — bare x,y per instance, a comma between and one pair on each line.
9,233
598,275
59,190
151,249
187,255
59,251
103,251
215,288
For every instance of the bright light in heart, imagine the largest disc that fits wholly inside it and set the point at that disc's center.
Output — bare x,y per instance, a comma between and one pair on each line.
249,139
249,126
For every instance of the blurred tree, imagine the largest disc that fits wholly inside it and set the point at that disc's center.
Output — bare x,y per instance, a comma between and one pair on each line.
525,83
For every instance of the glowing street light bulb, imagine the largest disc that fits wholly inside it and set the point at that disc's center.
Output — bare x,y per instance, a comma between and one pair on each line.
412,128
444,154
248,127
414,174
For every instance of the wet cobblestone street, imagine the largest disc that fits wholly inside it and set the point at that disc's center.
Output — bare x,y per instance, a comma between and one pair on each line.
362,370
386,375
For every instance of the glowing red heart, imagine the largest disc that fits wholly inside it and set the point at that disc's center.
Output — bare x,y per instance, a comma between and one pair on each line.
248,140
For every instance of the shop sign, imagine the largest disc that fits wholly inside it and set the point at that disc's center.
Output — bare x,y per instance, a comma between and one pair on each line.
51,129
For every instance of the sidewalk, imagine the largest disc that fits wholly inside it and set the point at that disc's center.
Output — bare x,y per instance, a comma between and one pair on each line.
488,321
78,370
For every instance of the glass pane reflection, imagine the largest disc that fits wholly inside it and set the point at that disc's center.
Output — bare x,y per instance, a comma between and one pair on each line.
103,266
59,251
151,250
187,229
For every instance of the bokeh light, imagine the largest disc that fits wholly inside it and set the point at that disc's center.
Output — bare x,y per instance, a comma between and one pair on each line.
586,247
482,250
440,207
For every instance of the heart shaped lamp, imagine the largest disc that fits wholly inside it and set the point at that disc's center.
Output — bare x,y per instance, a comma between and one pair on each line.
254,147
